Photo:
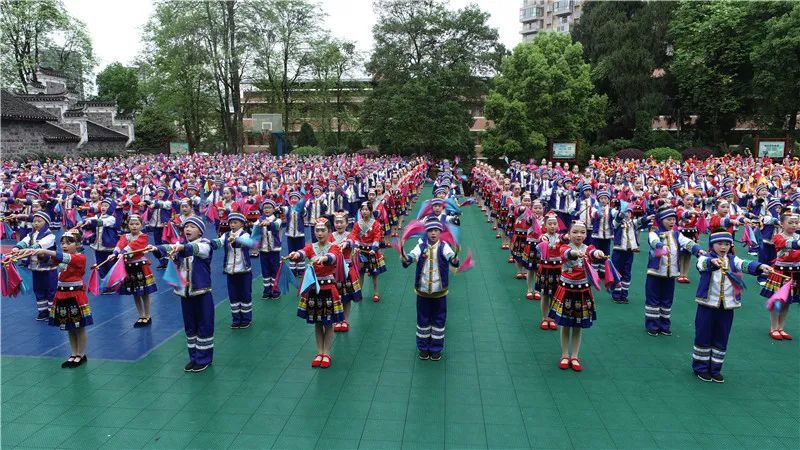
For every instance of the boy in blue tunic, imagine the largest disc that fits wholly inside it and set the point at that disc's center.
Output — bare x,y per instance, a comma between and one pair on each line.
433,258
718,295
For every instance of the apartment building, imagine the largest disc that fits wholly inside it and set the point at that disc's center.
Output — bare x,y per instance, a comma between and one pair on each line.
548,15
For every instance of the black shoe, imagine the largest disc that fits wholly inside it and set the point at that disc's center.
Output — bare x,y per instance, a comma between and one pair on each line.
43,315
69,363
266,296
704,376
200,367
436,356
423,355
139,323
162,266
146,322
235,325
718,378
244,325
189,367
617,300
665,333
80,362
624,301
652,333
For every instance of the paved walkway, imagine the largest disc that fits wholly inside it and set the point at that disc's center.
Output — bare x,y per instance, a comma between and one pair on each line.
498,385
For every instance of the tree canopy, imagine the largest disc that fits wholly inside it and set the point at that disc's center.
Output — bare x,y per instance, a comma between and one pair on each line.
430,64
544,91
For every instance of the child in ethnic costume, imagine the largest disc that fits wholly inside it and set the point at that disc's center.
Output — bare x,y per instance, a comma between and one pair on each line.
70,310
350,288
105,236
197,303
626,245
662,271
787,264
522,222
531,257
295,230
236,265
323,308
367,235
549,269
433,258
270,249
688,216
140,282
718,295
44,274
573,305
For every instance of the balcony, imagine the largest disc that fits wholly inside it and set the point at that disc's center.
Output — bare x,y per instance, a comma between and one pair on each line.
531,27
563,28
562,7
530,12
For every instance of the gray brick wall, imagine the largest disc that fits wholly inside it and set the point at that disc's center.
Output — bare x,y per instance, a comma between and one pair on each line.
20,138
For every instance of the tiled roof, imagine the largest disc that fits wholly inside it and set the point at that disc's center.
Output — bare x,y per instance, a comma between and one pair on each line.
53,133
96,103
98,132
43,97
52,72
73,113
14,108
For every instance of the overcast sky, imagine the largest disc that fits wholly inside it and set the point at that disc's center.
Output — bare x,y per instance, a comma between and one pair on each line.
116,25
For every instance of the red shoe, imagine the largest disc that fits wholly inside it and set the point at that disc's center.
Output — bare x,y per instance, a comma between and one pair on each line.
537,296
316,361
345,327
511,260
564,363
576,364
683,279
543,325
497,236
520,276
529,296
553,325
775,334
376,298
394,234
786,336
337,327
326,361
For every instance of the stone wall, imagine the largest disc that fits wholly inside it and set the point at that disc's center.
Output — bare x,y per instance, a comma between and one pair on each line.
95,146
20,138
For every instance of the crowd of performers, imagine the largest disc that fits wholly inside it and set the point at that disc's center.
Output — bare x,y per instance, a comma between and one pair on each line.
568,229
565,230
336,214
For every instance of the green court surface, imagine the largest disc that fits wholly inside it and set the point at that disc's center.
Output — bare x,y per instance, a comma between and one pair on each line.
498,385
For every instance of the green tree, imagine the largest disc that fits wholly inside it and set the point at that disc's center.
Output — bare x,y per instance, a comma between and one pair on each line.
177,83
714,42
306,138
332,64
154,130
120,84
624,42
544,91
41,33
283,35
429,63
776,62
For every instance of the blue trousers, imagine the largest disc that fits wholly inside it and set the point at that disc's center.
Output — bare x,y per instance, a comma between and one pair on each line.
766,254
240,294
44,288
712,327
431,317
623,261
659,293
296,244
603,245
198,322
270,261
